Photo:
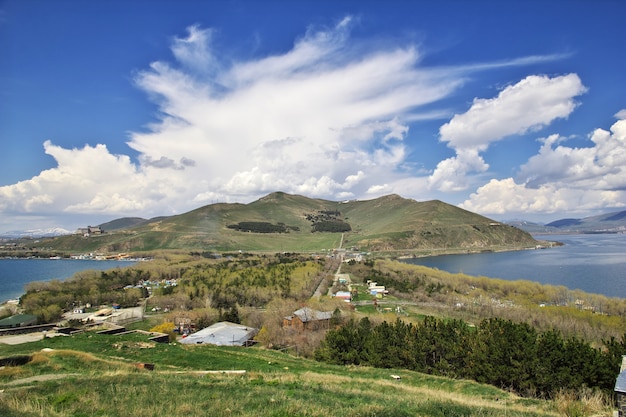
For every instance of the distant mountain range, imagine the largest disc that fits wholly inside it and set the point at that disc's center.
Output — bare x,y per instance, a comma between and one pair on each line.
35,233
605,223
286,222
398,215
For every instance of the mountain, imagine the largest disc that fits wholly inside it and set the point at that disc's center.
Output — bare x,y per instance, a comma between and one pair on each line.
125,223
35,233
286,222
613,222
530,227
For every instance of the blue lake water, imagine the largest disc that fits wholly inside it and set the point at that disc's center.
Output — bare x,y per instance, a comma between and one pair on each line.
594,263
15,273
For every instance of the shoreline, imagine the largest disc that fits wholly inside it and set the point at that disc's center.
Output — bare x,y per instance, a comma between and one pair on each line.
15,295
543,244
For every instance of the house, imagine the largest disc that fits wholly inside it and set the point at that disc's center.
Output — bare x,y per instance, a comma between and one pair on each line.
620,390
223,333
344,295
376,290
89,231
308,319
18,320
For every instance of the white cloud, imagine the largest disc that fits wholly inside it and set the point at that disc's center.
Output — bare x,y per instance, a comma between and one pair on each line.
320,119
194,51
601,166
562,179
327,118
530,104
450,174
80,174
378,189
302,121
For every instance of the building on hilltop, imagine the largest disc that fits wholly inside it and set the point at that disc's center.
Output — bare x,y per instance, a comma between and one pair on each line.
89,231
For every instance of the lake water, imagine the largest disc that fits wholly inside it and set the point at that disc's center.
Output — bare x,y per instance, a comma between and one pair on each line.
15,273
594,263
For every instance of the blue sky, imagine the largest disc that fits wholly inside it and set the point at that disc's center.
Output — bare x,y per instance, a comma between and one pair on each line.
511,109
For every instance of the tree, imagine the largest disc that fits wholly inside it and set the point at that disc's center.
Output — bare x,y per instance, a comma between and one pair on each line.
345,345
388,346
552,371
231,315
505,354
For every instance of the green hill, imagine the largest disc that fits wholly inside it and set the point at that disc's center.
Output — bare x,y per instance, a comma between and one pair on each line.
285,222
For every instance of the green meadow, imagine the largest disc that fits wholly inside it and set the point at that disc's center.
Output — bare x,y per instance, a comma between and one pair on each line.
90,374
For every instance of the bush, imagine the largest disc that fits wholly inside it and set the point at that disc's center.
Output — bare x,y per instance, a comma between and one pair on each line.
167,328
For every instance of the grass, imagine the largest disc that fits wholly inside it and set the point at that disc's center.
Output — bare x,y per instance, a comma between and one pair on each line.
95,375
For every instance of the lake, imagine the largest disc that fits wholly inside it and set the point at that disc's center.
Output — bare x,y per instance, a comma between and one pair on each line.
15,273
594,263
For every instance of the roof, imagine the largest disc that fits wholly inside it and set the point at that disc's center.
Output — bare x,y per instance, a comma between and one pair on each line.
620,384
306,314
221,334
18,320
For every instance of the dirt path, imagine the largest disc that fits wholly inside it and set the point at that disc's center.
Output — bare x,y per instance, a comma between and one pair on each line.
39,378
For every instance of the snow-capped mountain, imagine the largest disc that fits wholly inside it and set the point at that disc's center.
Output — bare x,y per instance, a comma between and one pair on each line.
34,233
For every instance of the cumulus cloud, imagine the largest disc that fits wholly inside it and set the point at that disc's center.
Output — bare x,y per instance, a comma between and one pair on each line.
327,118
531,104
318,119
311,120
80,172
561,178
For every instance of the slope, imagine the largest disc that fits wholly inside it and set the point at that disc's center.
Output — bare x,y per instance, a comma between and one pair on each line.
389,223
94,374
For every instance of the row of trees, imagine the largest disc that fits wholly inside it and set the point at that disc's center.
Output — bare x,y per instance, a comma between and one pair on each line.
262,227
498,352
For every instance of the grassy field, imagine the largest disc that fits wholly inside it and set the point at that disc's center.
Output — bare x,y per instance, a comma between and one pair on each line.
95,375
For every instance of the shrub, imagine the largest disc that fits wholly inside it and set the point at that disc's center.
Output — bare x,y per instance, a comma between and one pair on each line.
167,328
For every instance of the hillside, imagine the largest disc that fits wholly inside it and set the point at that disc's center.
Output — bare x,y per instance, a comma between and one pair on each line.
284,222
123,223
94,374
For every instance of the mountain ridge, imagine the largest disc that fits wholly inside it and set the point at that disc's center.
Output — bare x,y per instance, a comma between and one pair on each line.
612,222
291,222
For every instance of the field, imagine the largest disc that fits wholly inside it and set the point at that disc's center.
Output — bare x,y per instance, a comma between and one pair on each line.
95,375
